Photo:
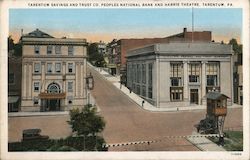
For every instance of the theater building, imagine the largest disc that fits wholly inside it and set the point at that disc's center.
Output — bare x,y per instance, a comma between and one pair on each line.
53,72
180,74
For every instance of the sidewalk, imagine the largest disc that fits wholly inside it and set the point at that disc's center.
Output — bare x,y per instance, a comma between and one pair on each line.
204,144
115,80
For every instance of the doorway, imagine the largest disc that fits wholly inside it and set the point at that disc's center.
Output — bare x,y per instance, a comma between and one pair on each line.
194,96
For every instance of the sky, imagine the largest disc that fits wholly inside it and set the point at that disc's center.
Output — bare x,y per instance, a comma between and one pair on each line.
108,24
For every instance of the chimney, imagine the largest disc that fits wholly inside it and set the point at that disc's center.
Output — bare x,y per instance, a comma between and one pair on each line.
184,30
21,32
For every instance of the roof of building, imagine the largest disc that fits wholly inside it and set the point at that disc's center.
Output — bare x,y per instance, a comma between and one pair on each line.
183,48
38,34
215,95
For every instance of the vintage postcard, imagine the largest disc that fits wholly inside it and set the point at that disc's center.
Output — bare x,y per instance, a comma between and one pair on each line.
149,79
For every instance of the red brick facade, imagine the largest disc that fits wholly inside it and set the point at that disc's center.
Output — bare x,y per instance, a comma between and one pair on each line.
128,44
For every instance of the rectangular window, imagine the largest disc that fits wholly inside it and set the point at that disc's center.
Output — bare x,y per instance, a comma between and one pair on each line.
11,78
176,74
37,67
176,93
58,49
212,71
138,80
37,49
150,79
36,86
58,67
194,72
49,49
138,91
144,73
36,101
144,91
70,67
49,67
70,50
70,86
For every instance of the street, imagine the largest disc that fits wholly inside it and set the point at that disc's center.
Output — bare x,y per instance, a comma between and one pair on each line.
126,121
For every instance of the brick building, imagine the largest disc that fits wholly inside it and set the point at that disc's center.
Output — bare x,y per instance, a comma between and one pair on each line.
119,48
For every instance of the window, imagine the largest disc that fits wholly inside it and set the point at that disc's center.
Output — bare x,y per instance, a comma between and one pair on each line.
212,74
58,67
49,67
150,79
11,78
176,74
36,86
49,49
70,50
37,67
70,86
70,67
134,72
138,91
36,101
144,91
176,94
138,80
144,73
194,72
58,49
37,48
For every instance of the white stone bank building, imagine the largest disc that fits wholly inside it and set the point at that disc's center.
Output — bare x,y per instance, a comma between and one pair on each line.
53,72
180,74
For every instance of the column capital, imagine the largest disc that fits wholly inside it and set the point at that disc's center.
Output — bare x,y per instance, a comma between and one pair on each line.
203,62
43,62
64,63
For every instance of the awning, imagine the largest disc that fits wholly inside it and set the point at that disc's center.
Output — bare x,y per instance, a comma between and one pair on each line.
13,99
52,95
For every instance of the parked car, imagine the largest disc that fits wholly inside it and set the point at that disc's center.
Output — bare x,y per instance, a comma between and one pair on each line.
33,134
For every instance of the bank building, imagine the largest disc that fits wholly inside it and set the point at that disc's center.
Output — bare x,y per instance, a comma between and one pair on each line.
179,74
53,72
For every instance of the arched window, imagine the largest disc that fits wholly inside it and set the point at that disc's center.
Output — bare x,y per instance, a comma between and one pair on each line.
53,88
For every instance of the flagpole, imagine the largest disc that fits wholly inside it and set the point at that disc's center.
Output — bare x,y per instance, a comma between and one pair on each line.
192,24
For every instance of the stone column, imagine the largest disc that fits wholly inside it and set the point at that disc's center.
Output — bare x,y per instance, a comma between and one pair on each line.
185,81
203,82
76,78
81,80
43,76
30,84
64,74
24,79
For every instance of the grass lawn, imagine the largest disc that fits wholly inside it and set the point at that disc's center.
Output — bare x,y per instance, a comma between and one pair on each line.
233,140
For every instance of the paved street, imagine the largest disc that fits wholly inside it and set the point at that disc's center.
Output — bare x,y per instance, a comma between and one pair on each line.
126,122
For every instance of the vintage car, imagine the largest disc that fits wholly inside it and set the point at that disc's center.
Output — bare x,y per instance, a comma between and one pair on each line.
33,134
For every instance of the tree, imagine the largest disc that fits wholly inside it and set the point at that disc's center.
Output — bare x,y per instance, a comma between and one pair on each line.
86,122
94,56
236,47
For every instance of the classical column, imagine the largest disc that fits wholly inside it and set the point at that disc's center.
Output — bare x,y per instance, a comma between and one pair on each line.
24,88
64,76
203,80
81,80
43,76
185,81
30,80
76,78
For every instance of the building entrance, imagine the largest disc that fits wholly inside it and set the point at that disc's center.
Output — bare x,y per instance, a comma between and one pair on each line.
51,101
194,96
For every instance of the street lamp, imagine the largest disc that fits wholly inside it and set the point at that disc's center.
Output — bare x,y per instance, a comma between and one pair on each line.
90,84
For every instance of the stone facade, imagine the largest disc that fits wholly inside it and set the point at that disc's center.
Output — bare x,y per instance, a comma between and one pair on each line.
53,72
180,74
